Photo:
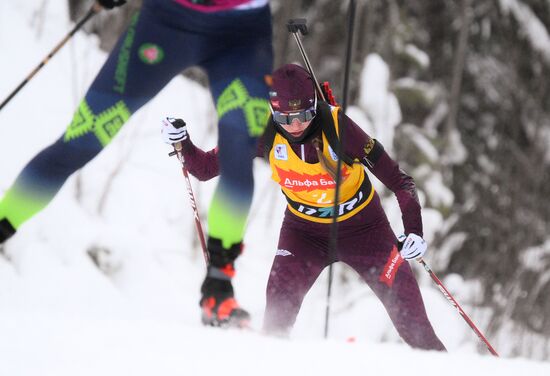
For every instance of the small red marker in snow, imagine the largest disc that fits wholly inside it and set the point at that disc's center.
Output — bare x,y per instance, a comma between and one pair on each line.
350,339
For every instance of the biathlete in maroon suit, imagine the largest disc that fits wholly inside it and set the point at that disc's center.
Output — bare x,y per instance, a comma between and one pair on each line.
297,143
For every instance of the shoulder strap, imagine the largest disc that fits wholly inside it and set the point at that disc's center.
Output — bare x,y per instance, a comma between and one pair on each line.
329,129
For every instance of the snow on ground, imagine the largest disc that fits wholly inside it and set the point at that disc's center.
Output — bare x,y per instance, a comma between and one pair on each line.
60,315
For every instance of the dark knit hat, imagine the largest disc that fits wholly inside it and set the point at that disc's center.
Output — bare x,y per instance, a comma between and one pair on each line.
292,89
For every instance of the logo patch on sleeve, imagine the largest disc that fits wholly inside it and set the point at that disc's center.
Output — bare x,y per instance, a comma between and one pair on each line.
390,269
369,146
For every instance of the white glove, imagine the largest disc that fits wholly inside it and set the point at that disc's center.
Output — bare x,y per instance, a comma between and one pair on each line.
413,246
173,130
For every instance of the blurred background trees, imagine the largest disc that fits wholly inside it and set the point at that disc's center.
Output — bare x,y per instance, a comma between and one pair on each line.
471,79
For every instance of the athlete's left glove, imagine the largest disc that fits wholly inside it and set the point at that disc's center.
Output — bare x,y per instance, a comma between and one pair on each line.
412,246
173,130
110,4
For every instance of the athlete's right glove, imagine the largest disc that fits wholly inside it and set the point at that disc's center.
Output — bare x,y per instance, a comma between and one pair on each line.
412,246
173,130
110,4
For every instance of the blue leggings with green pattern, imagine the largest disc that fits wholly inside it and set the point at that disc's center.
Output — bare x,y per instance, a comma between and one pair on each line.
164,38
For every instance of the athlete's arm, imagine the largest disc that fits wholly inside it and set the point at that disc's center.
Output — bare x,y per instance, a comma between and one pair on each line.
203,165
372,155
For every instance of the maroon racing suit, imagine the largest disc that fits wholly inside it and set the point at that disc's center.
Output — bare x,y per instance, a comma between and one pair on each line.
366,241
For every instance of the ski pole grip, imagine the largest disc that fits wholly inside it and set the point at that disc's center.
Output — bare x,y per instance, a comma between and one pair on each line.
178,123
297,24
178,146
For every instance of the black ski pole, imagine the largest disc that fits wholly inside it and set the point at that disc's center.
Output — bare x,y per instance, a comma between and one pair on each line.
178,147
296,26
94,9
334,227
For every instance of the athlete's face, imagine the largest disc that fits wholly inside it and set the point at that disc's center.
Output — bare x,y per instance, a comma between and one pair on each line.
296,128
295,122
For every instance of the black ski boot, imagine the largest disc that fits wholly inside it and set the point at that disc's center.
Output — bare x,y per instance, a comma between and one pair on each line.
218,304
219,307
6,232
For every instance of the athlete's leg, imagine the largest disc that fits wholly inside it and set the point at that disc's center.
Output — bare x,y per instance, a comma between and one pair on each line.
143,61
238,85
374,255
237,81
298,262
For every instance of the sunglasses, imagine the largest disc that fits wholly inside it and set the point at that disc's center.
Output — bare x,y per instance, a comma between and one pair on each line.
286,118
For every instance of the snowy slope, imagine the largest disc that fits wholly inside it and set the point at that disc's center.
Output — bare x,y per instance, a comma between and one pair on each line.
60,315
